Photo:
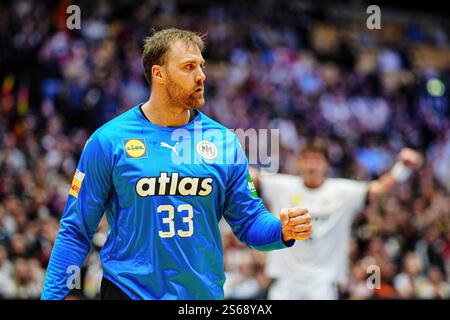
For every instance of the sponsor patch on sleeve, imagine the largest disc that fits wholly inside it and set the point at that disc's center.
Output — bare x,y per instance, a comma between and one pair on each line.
251,187
76,183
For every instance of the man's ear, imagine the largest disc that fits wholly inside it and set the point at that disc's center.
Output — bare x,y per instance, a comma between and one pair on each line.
157,73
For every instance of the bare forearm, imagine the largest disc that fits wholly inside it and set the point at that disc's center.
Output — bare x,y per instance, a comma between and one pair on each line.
408,160
381,186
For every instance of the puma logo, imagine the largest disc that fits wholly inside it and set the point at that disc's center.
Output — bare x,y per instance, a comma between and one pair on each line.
165,145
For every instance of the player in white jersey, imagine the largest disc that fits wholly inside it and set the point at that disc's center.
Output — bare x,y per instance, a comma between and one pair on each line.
312,269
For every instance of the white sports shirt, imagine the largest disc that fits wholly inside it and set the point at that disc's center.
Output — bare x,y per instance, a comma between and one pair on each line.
333,205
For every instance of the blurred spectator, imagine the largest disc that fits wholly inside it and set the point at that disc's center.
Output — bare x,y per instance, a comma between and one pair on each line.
29,279
7,286
357,286
411,283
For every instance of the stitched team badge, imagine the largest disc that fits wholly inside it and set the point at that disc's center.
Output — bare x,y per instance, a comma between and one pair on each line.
207,150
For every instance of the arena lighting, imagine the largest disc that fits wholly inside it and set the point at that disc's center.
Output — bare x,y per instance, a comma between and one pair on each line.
435,87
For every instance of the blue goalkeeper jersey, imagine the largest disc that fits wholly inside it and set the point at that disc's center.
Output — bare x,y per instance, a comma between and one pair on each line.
164,191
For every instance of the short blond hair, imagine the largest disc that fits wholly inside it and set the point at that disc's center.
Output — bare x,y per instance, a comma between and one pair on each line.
157,45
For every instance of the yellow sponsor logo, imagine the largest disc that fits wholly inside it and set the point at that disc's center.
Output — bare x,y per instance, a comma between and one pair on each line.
135,148
76,183
296,200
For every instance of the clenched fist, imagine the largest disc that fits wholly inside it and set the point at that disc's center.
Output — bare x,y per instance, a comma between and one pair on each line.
410,158
296,224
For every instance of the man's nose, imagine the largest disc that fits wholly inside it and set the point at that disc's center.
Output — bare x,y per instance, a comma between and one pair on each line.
200,77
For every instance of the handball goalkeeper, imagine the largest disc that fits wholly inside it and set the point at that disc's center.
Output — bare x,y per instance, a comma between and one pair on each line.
163,210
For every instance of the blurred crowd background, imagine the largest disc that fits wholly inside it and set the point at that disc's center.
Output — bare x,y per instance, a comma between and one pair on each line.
307,68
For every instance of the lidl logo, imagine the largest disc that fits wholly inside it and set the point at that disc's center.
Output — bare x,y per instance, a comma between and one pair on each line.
135,148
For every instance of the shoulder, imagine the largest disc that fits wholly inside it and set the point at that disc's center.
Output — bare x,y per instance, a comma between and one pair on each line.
341,182
210,124
279,179
107,136
109,133
346,185
225,140
116,125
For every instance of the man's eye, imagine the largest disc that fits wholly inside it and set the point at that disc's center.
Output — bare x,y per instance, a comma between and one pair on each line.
189,67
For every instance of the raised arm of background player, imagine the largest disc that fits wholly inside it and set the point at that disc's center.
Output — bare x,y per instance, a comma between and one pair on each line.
407,161
249,219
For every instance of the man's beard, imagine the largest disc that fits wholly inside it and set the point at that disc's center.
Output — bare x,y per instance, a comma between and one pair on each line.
179,97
